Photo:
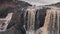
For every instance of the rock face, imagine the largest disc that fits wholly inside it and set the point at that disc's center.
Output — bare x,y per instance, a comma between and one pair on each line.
27,19
16,24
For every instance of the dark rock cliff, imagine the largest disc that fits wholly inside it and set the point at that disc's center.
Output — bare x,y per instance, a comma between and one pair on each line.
28,19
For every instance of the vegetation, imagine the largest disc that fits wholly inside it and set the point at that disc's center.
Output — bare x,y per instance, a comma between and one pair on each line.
57,4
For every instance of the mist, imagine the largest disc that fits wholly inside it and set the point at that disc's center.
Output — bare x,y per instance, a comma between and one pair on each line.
41,2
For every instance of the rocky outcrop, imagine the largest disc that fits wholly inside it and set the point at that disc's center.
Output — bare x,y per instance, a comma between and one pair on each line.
15,25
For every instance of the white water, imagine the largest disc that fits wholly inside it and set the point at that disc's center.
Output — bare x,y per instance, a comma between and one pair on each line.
5,21
31,21
51,25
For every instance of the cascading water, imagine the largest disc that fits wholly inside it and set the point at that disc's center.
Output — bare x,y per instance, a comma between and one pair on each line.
51,25
34,19
30,21
41,21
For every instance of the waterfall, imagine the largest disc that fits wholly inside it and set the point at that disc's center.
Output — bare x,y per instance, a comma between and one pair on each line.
52,19
41,21
34,19
31,21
